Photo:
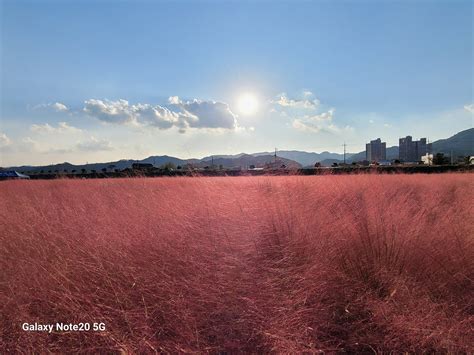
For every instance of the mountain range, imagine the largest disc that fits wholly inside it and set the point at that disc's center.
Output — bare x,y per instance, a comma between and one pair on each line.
461,144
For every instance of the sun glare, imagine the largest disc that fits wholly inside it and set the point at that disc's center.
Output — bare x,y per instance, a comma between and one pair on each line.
248,104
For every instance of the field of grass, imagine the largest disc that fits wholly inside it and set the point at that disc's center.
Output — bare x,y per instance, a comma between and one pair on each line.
264,264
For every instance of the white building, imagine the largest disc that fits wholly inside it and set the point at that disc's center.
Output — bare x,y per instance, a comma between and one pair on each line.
427,159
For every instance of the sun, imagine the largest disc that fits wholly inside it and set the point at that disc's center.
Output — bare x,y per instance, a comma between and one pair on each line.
247,104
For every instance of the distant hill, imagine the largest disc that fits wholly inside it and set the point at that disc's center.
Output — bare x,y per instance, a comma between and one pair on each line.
461,143
228,156
165,159
305,158
301,157
356,157
245,160
120,165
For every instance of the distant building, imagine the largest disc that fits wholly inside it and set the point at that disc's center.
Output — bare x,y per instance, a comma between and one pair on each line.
412,151
376,150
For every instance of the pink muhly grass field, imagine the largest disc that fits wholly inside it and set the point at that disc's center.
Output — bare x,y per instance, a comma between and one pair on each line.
252,264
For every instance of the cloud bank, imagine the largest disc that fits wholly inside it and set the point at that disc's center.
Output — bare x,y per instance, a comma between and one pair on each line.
62,127
180,114
94,145
59,138
206,114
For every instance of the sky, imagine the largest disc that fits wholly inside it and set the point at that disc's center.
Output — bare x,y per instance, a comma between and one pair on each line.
95,81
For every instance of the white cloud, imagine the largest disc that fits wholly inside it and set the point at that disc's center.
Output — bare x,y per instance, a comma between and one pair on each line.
62,138
325,116
316,123
189,114
110,111
157,116
56,106
469,108
59,107
121,112
302,125
62,127
174,100
94,145
208,114
4,140
336,129
283,100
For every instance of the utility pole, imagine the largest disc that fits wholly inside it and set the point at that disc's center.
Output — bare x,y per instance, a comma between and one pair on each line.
344,145
275,155
429,157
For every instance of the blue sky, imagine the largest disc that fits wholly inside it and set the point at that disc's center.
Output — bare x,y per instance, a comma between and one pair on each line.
105,80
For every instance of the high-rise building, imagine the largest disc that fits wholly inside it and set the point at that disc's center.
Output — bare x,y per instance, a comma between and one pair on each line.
376,150
412,151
